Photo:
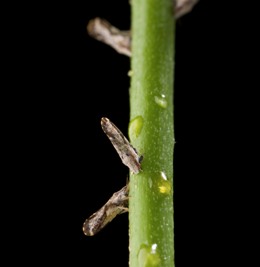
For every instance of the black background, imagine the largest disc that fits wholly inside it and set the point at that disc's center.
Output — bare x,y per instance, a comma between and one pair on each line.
67,168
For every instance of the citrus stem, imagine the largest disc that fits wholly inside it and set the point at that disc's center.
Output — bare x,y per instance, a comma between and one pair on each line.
151,133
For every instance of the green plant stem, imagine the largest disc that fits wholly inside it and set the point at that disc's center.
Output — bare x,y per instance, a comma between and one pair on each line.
151,132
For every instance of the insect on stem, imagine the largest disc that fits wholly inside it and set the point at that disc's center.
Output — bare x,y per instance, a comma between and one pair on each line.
125,150
116,205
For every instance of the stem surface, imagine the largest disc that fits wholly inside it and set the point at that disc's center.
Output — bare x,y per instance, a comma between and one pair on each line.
151,133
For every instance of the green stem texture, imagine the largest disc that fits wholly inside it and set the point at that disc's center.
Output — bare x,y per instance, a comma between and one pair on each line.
151,133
